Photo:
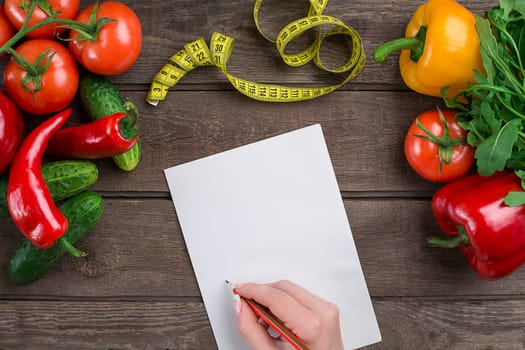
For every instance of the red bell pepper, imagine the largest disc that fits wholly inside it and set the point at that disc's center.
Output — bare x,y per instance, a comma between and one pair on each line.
100,138
489,233
28,198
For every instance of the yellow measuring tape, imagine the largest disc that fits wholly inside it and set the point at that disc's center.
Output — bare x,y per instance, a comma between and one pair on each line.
198,53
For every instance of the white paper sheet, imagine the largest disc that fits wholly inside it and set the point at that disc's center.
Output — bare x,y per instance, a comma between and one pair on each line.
267,211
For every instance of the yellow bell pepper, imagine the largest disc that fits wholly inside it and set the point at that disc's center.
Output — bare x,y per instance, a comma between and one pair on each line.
441,48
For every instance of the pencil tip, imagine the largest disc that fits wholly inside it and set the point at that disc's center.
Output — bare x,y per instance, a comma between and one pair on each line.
230,284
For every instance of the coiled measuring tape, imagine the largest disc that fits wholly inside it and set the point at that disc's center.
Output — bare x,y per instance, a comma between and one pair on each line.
197,53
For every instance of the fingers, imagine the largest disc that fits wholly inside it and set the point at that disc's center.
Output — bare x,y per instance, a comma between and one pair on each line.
253,332
297,317
327,332
305,297
311,318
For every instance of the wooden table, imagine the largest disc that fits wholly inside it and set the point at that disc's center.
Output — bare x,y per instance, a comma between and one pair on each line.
137,290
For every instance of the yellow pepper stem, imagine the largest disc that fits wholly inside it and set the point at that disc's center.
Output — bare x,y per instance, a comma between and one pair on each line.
415,45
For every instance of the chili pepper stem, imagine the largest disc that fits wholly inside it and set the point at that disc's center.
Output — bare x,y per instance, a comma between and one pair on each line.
131,109
71,249
128,125
460,239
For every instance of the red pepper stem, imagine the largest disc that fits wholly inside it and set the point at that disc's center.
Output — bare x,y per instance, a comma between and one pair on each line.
71,249
456,241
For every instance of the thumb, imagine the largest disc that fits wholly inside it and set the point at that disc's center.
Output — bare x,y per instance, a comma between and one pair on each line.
254,333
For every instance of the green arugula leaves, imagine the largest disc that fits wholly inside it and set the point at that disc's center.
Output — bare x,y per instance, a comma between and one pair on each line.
494,112
492,154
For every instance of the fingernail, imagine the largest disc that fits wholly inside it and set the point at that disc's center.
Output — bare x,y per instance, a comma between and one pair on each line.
237,304
238,285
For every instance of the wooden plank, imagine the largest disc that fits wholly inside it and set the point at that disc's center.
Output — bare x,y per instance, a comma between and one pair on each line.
364,132
451,324
104,325
405,324
137,251
168,26
137,289
391,236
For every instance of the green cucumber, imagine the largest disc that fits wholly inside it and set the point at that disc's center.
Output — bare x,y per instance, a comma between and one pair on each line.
28,263
64,179
101,98
129,160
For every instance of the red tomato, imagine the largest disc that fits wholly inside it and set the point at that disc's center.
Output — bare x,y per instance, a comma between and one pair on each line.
59,82
6,30
11,130
118,43
435,162
17,14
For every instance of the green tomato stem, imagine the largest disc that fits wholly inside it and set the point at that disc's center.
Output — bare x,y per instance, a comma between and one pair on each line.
87,31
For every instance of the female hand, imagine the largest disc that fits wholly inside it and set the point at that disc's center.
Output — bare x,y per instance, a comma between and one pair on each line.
314,320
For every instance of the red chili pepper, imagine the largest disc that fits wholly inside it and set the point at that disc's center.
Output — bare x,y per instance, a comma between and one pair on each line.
488,232
100,138
11,131
29,200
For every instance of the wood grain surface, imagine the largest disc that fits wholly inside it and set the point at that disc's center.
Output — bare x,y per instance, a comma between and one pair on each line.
137,291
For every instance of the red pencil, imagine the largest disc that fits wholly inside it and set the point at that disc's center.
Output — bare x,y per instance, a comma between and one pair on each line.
267,316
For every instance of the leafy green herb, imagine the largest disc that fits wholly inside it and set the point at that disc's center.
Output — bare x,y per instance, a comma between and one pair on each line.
515,198
494,112
492,154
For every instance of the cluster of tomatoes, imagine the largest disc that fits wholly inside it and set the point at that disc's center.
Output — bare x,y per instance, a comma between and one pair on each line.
46,42
42,75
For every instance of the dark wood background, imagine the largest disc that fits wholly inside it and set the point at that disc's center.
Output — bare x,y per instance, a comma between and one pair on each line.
137,290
